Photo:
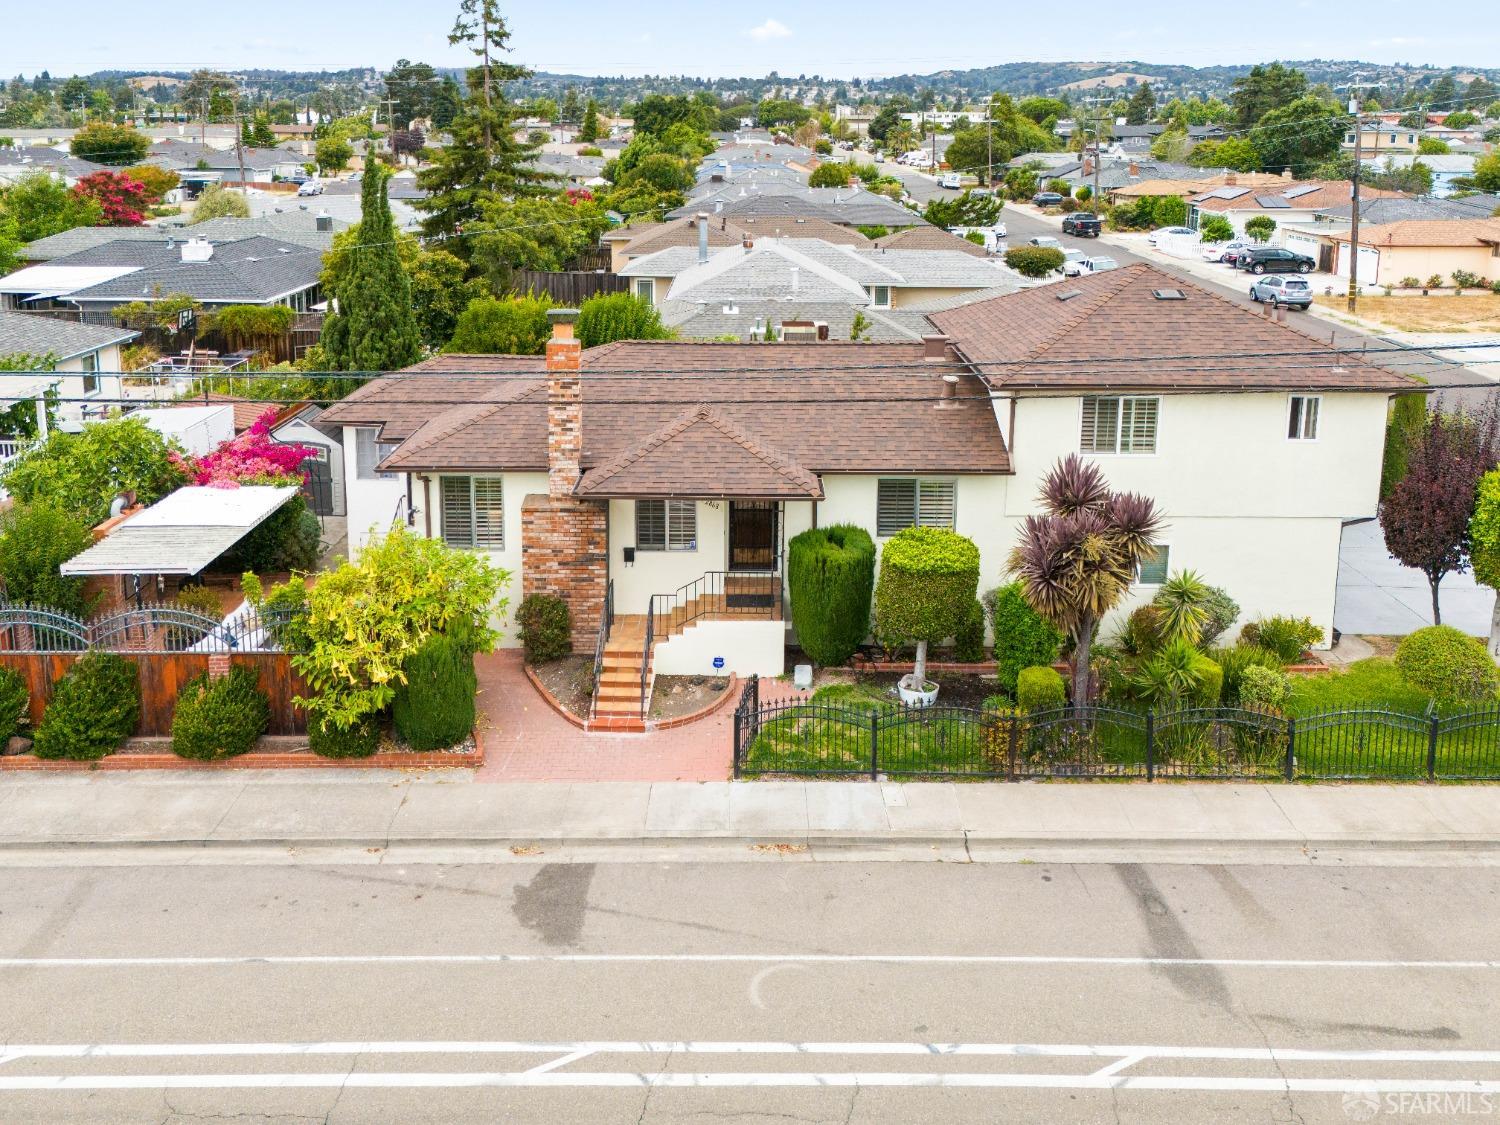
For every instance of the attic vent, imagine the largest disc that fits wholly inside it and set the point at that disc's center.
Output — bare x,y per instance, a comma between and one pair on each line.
282,250
1070,294
1169,294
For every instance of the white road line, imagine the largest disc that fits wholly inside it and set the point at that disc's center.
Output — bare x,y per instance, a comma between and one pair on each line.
997,960
373,1080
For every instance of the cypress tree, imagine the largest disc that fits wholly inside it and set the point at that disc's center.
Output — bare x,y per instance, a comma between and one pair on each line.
375,328
831,573
434,709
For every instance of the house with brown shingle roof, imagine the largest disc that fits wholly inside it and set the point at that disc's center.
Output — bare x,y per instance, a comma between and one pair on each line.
1288,202
1390,253
655,485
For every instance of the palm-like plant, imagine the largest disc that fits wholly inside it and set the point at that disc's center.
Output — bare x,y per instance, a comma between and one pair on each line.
1077,560
1182,602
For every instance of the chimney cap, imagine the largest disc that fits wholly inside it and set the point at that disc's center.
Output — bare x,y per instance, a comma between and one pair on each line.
562,316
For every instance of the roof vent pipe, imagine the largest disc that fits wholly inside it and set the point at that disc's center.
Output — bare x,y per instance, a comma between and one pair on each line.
950,391
794,279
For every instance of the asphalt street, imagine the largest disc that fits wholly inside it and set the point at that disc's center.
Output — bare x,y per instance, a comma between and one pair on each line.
655,992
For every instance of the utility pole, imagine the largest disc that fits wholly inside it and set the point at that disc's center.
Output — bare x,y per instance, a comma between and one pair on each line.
1098,156
203,123
239,151
1353,300
989,143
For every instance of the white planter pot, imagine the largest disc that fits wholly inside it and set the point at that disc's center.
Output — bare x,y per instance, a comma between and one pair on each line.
917,695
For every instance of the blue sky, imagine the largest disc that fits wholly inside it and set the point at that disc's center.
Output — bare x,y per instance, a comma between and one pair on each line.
830,37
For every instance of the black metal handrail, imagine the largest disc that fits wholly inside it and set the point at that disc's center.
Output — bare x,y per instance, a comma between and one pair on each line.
646,655
606,622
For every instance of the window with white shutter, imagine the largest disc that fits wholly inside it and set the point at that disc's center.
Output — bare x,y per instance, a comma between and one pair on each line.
473,512
1119,424
666,525
900,504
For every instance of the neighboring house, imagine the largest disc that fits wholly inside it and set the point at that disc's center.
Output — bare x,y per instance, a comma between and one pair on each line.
1383,137
1445,169
574,171
247,271
1194,185
1391,252
1289,203
625,244
848,206
199,164
671,475
87,355
297,225
928,238
18,163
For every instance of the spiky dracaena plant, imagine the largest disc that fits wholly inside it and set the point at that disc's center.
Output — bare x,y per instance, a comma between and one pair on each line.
1077,560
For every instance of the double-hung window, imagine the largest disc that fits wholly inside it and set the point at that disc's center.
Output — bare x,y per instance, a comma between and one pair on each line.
645,289
666,525
473,512
89,364
1119,424
368,453
900,504
1302,417
880,296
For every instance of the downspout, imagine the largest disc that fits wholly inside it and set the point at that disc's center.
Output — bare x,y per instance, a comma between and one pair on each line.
426,502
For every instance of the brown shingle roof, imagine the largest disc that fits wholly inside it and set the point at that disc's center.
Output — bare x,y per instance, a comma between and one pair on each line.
1114,332
1427,232
1324,193
830,407
929,238
702,454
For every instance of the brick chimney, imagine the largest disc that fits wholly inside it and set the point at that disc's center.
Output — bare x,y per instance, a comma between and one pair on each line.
564,405
1231,178
934,349
1135,169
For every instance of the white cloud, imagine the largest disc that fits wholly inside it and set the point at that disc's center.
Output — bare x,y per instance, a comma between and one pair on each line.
771,29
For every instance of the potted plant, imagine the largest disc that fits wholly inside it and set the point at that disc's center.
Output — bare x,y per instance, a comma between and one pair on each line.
928,579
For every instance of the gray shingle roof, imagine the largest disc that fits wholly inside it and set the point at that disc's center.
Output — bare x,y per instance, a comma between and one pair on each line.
88,238
250,271
34,334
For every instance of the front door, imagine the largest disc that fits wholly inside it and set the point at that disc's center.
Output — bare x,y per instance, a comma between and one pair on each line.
752,535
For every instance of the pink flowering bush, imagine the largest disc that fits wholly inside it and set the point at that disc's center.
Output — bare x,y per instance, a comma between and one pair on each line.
253,458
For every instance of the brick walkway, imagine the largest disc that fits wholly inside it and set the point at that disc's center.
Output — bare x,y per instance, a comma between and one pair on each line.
525,740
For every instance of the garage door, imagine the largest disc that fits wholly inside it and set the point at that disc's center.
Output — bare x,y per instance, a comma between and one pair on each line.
1369,264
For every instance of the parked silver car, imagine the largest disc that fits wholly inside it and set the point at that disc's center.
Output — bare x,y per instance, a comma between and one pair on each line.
1293,292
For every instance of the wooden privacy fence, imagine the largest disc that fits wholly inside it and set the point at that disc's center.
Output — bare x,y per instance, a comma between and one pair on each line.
572,287
161,676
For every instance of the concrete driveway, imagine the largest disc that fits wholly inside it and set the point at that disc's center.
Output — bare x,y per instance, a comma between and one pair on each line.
1376,594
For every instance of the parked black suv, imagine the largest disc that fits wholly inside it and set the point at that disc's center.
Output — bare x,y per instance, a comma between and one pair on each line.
1271,259
1083,224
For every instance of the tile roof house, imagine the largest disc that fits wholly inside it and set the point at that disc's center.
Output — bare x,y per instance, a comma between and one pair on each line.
850,206
662,480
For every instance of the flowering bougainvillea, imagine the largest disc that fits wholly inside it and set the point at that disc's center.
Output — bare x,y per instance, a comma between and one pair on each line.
122,199
253,457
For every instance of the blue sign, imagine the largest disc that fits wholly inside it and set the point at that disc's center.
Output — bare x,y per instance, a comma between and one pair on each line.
718,664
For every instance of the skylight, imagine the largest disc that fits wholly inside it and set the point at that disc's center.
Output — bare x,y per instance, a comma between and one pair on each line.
1169,294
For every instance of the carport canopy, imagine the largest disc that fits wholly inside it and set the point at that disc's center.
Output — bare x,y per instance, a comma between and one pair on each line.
181,533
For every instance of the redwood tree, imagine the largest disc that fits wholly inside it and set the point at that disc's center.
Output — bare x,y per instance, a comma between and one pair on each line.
1427,514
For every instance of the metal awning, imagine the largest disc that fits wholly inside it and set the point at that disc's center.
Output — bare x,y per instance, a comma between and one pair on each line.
182,533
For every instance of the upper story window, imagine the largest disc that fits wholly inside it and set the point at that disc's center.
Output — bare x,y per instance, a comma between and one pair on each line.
900,504
368,453
89,365
1119,424
1302,417
473,512
880,295
666,525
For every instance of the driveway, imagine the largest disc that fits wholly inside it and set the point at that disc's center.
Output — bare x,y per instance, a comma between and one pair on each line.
1376,594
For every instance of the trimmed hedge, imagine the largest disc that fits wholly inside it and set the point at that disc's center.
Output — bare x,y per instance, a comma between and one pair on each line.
434,709
968,642
219,718
94,709
546,627
1034,261
15,702
928,576
1449,665
1023,637
1040,689
328,741
831,576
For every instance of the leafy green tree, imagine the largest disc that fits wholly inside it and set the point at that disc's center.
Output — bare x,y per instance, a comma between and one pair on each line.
1461,119
110,144
41,205
571,107
966,210
35,540
509,326
831,173
219,203
1431,146
971,151
1299,135
1264,89
1484,546
588,129
414,90
618,316
1215,228
1486,172
156,180
775,111
375,327
1041,110
654,114
1141,106
532,234
440,291
256,132
333,154
207,88
662,171
888,118
80,473
10,244
1260,227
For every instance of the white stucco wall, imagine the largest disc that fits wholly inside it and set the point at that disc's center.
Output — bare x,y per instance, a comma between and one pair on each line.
663,572
747,647
70,388
370,504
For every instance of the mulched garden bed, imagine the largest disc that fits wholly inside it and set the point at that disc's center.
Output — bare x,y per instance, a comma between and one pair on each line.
675,696
570,681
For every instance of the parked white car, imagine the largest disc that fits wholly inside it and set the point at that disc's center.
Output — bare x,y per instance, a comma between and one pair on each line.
950,180
1089,265
1224,251
1161,232
312,187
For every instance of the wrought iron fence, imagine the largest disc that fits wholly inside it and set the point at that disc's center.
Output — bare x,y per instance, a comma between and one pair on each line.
144,628
818,739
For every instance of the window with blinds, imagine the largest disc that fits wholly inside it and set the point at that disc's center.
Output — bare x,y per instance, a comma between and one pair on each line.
473,512
1153,570
900,504
1119,424
666,525
368,453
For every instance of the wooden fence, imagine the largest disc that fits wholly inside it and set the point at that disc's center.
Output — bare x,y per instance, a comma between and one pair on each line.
162,676
571,287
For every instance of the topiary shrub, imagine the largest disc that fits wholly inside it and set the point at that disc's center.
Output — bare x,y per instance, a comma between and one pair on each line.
831,576
1287,637
1263,688
327,740
1023,637
93,710
15,704
1448,665
1040,689
1034,261
434,709
968,642
219,718
1143,632
546,628
928,576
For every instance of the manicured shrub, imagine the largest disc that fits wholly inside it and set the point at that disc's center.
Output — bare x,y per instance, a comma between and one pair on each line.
1448,664
1210,685
928,576
1235,661
36,539
327,740
968,642
15,704
1023,637
1040,688
546,628
1177,675
1287,637
434,709
219,718
1034,261
94,709
1408,416
618,316
1222,610
1143,632
1264,688
831,577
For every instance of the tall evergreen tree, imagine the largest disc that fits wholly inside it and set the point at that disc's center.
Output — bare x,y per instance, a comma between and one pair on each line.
484,159
375,328
588,131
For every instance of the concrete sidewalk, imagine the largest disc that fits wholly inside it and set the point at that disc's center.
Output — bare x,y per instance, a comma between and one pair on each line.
377,811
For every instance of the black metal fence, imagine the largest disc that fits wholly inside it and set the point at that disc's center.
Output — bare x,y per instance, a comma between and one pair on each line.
809,738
